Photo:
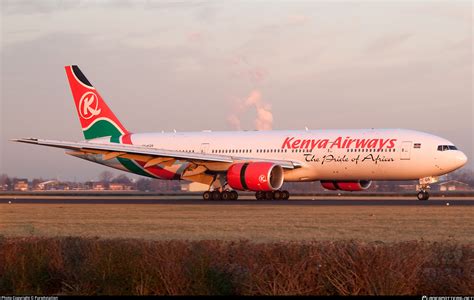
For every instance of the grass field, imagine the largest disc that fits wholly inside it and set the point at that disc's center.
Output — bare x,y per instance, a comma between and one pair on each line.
91,266
262,223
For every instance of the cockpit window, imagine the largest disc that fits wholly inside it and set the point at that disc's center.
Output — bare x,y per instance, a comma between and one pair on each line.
446,147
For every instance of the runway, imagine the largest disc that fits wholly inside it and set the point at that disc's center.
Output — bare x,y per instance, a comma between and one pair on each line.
245,200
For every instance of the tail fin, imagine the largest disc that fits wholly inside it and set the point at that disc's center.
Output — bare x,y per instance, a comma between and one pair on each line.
97,120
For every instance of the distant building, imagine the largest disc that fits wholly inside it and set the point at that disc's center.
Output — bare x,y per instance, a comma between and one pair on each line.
453,185
52,185
40,186
20,185
406,187
98,186
120,187
194,187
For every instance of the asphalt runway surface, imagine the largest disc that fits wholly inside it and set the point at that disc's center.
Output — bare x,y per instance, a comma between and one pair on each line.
246,200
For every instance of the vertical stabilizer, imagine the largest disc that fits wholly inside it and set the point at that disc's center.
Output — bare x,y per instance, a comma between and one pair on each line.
97,120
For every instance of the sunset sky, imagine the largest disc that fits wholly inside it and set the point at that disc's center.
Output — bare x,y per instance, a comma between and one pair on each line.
227,65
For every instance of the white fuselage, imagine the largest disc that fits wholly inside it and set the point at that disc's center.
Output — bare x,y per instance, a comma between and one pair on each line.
371,154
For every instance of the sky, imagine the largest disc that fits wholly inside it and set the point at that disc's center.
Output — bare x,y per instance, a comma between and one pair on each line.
229,65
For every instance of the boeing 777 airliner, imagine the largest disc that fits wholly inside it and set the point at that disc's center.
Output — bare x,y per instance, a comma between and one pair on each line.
258,161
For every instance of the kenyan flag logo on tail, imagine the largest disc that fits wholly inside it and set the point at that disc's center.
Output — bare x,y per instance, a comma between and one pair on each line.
97,120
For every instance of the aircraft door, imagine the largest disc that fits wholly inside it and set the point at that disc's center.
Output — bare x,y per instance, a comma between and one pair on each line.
204,148
405,151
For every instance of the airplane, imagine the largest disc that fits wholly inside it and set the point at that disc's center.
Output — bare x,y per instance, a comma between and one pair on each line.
257,161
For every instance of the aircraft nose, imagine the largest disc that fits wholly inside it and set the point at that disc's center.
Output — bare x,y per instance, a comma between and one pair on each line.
461,159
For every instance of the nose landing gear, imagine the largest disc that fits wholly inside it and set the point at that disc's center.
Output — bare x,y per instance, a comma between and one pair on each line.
423,195
424,186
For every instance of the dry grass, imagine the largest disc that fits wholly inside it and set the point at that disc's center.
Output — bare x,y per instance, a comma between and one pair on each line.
87,266
262,223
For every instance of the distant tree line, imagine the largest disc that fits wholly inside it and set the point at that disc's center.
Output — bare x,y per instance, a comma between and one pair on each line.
106,178
153,185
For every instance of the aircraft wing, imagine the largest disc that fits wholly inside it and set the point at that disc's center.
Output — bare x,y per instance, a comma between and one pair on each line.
152,156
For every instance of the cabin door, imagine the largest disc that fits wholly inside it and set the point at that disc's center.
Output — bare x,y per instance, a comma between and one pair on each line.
406,149
204,148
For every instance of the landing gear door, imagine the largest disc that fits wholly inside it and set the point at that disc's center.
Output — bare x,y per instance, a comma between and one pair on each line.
406,150
204,148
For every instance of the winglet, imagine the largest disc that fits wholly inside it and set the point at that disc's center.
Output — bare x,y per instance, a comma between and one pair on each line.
25,140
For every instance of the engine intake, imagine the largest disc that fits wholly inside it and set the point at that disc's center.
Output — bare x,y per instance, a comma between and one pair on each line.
351,186
255,176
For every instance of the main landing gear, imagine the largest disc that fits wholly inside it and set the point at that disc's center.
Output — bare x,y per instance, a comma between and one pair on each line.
233,195
216,195
274,195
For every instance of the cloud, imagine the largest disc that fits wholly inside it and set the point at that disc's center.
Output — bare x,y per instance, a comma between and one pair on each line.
297,19
388,42
255,74
51,6
264,118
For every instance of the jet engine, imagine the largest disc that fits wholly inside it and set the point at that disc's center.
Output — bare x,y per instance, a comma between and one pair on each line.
255,176
351,186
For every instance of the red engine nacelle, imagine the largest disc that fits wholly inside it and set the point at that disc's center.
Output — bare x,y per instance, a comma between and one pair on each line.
351,186
256,176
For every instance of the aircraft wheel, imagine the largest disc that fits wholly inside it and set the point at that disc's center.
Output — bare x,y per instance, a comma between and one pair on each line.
268,195
259,195
285,195
206,195
277,195
225,195
427,195
234,195
423,195
216,195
